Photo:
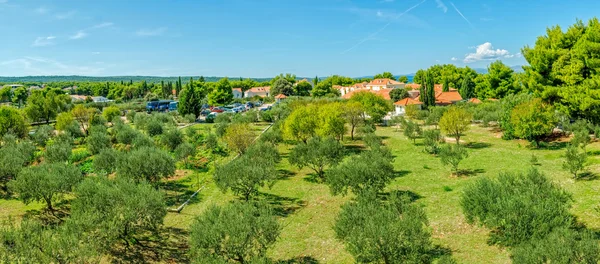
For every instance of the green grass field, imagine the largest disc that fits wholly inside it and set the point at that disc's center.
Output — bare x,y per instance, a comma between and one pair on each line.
307,210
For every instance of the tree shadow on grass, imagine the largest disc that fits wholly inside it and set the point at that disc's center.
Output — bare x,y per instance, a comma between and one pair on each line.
354,149
283,206
299,260
286,174
587,176
169,245
478,145
412,196
594,152
176,193
401,173
469,172
440,251
550,146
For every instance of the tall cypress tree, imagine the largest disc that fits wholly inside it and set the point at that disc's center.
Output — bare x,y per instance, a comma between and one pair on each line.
446,87
422,93
430,89
467,89
201,79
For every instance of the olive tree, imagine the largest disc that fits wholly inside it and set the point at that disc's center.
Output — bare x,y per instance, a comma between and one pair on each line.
97,140
563,245
452,155
317,154
45,183
455,122
106,161
370,171
109,211
238,137
254,169
574,160
238,232
384,232
519,207
412,130
58,151
146,164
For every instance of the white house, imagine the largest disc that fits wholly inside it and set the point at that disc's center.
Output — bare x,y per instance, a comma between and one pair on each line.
237,93
400,106
258,91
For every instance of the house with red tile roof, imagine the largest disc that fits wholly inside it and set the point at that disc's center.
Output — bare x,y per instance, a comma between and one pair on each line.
347,89
280,97
258,91
385,93
380,84
237,93
400,106
448,98
474,101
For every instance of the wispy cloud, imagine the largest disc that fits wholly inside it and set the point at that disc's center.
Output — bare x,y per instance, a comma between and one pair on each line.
454,59
441,5
85,32
41,10
30,65
461,14
486,51
381,29
43,41
66,15
79,35
151,32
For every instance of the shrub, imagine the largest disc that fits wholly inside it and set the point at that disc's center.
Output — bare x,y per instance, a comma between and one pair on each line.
154,128
130,116
59,151
574,160
111,112
519,207
78,155
431,140
172,138
41,135
189,118
97,140
106,160
452,155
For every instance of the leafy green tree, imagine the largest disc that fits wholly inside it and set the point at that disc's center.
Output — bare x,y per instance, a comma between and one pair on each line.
532,120
398,94
519,207
33,240
172,138
498,82
190,99
45,104
374,105
403,79
111,113
322,89
13,157
301,124
20,96
97,140
146,164
331,120
412,131
561,246
238,137
109,211
419,77
370,171
221,94
184,151
237,232
64,120
83,116
282,86
154,128
354,115
12,122
303,88
455,122
317,154
452,155
385,232
384,75
59,151
45,183
41,135
430,90
106,161
574,160
431,140
250,171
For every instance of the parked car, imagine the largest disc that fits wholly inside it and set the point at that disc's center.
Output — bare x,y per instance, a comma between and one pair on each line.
217,109
249,105
266,108
205,112
230,111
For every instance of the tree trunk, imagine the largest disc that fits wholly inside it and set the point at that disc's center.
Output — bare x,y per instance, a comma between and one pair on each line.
352,132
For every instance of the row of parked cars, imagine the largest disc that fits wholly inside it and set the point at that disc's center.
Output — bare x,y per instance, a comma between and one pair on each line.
232,108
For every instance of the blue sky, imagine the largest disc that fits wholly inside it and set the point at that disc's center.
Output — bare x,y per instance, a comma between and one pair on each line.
262,38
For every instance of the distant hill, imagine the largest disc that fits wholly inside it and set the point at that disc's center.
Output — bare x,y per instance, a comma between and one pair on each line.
72,78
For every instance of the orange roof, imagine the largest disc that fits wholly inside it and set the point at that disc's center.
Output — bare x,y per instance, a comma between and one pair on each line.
280,96
385,93
383,82
260,89
448,97
408,101
474,101
412,86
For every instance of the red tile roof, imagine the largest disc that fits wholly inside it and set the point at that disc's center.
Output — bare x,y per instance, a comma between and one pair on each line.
280,96
412,86
385,93
260,89
448,97
474,101
408,101
383,82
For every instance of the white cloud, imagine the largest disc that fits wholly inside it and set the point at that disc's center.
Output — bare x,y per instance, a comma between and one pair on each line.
79,35
151,32
65,15
454,59
41,10
44,66
486,51
441,5
102,25
43,41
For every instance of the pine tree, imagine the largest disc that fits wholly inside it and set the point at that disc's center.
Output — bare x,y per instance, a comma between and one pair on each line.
467,88
446,87
316,80
201,79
